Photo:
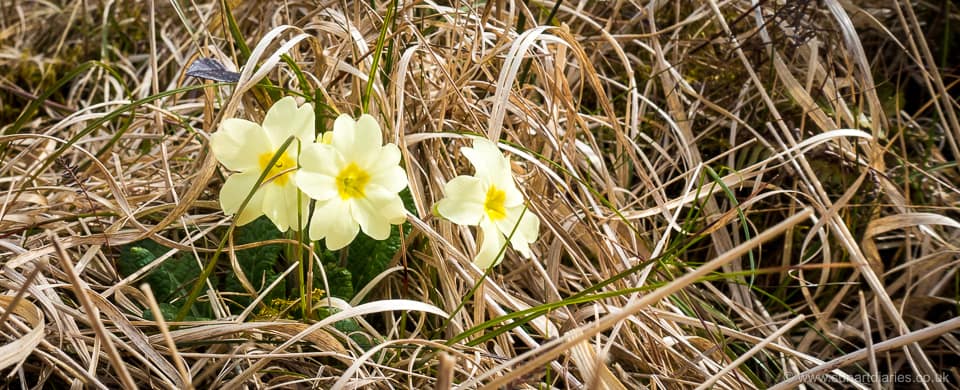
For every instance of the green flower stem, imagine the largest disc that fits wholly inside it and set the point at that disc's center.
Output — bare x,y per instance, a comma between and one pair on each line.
305,298
211,265
486,273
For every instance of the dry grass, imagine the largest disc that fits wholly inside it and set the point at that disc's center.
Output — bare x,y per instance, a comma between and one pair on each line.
731,196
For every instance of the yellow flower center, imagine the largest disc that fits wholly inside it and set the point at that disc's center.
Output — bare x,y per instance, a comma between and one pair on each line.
351,182
283,163
493,204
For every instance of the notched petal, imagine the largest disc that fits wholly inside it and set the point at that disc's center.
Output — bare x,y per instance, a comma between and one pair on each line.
344,133
233,193
237,144
369,215
392,179
285,119
320,158
369,135
387,156
332,221
489,162
280,205
524,226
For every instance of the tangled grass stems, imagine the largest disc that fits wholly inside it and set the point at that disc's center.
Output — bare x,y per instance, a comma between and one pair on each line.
656,142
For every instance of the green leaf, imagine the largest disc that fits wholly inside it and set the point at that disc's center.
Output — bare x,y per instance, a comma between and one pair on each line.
166,280
133,258
339,279
367,258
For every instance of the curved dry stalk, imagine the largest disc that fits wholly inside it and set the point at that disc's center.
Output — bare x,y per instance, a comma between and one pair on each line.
652,139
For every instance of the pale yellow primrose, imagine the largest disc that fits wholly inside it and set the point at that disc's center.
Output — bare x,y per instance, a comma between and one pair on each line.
247,148
491,200
355,180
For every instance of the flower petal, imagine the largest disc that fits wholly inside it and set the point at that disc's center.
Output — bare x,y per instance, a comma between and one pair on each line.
235,190
526,232
369,136
357,140
332,220
237,144
319,166
325,138
493,168
387,156
390,179
280,205
463,203
394,211
372,222
285,119
344,123
320,158
344,132
514,197
489,162
316,185
388,204
491,244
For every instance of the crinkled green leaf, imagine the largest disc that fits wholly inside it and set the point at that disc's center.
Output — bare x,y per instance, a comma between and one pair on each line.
132,258
168,280
258,263
340,281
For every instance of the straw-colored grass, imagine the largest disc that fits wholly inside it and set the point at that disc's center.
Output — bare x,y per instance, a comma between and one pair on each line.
738,194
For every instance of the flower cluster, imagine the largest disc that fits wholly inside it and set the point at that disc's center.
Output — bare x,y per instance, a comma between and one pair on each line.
355,180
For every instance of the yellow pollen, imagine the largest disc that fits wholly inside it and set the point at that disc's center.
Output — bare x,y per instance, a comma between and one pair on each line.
283,163
351,182
493,204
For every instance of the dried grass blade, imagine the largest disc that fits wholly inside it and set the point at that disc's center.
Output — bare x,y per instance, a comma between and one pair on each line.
138,339
80,289
17,350
896,342
558,346
185,378
899,221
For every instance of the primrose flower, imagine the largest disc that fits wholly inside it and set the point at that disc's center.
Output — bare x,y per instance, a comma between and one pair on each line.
356,181
491,200
247,148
